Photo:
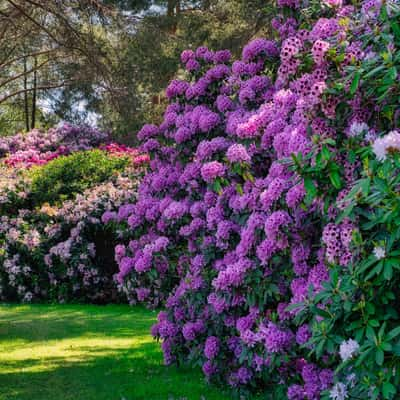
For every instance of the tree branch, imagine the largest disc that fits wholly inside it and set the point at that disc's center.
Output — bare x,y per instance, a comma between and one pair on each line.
24,73
42,87
38,53
38,24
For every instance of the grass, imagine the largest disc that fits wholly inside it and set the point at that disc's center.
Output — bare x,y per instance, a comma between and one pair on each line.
74,352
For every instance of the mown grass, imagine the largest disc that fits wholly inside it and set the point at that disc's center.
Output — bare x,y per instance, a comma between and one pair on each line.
76,352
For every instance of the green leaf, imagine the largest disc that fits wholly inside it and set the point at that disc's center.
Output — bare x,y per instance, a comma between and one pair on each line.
393,333
390,76
330,141
386,346
326,154
388,390
334,176
320,348
375,271
374,71
294,307
365,184
322,313
379,356
248,176
366,264
370,308
370,333
373,322
310,189
396,30
363,355
346,212
382,330
396,349
387,271
355,82
217,186
335,277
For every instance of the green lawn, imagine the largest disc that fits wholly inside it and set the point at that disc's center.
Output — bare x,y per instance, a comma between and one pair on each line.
74,352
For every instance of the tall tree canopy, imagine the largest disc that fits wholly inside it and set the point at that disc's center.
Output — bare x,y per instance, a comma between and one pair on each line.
106,61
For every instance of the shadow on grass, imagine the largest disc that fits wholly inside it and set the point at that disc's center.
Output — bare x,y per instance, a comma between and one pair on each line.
106,374
89,353
44,322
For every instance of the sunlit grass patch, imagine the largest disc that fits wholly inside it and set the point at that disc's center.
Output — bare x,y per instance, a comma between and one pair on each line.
73,352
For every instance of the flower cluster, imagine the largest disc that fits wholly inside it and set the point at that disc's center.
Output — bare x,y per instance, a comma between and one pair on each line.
386,145
39,147
14,189
121,150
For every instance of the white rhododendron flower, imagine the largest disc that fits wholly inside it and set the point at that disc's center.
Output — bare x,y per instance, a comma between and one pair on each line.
357,128
379,252
348,349
338,392
390,142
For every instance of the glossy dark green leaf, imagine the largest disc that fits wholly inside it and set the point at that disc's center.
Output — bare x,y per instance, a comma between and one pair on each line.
379,356
355,82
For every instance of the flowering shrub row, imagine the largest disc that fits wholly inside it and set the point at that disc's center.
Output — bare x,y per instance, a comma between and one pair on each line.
64,253
38,147
267,220
53,245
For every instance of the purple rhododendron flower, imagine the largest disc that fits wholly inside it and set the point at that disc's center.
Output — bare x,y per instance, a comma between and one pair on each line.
212,170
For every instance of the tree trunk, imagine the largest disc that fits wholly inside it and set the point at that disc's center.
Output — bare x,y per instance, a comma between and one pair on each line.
173,9
26,104
206,4
34,93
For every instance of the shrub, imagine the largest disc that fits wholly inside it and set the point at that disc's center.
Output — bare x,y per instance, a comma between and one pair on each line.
38,147
250,171
14,190
81,259
78,137
67,176
22,272
61,251
64,253
356,314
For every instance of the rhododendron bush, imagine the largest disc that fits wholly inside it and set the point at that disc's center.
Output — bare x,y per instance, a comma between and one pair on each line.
53,245
267,220
39,147
63,252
